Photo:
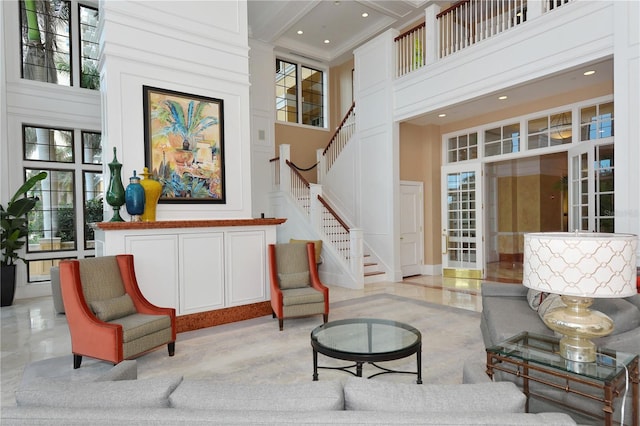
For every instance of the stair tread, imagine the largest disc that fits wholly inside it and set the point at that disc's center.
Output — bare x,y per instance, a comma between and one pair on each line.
368,274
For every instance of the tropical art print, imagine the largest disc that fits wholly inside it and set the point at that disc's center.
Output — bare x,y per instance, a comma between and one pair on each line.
184,143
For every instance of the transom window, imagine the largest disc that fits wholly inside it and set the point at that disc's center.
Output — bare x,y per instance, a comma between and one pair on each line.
596,122
299,94
550,130
462,147
502,140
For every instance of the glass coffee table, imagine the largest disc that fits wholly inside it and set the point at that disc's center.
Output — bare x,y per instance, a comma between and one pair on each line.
366,340
536,358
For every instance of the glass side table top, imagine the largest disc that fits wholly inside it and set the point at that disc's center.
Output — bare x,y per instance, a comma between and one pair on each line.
366,336
545,350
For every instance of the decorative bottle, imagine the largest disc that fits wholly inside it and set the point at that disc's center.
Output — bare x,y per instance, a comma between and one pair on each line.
135,198
115,193
152,191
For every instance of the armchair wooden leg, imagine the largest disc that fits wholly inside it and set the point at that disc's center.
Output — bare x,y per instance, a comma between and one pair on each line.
77,360
325,317
280,323
172,348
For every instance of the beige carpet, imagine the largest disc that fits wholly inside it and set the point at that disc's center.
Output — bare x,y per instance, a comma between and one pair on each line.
254,351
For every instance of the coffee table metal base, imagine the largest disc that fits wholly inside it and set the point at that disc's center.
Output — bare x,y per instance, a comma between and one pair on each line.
358,368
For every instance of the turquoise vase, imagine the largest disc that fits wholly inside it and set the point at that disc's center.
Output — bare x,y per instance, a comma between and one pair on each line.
115,193
135,198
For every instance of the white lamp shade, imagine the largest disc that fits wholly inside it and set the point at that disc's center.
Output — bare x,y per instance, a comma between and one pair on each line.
584,264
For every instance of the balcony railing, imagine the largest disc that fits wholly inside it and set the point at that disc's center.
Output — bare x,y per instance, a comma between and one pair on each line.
462,25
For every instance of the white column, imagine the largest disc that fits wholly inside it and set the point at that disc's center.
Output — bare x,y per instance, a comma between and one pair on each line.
285,173
356,261
431,34
535,8
626,92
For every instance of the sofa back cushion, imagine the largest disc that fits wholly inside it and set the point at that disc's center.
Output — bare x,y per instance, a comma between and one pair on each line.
372,395
212,395
148,393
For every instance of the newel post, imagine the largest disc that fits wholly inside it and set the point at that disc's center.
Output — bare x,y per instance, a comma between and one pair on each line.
356,255
322,165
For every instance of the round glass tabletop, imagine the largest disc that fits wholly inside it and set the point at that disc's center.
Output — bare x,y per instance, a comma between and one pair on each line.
366,339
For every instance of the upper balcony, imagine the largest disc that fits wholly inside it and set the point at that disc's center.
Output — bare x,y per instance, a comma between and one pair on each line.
477,47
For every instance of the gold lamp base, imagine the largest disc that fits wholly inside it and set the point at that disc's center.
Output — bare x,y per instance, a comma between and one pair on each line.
578,324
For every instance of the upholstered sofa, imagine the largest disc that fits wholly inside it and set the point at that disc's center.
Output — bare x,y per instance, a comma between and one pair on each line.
109,400
506,311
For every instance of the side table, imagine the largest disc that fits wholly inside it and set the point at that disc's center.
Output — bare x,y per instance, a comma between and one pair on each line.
536,358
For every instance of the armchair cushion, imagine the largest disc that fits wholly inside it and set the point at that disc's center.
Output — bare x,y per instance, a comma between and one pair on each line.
114,308
301,296
139,325
293,280
292,265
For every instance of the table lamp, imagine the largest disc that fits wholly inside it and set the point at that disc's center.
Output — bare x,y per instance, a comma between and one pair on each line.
580,266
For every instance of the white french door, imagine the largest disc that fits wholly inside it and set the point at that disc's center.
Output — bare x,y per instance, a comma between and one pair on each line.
590,186
462,222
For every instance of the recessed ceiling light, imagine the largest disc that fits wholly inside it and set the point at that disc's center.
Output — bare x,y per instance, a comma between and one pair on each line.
442,115
365,14
502,98
327,41
590,72
300,32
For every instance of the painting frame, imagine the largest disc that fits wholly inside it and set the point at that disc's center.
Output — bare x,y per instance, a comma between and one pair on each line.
184,145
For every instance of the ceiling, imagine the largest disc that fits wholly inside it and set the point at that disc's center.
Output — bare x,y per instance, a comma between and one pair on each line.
277,22
341,22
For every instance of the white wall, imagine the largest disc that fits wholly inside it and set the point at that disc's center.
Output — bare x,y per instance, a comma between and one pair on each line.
378,151
193,47
261,70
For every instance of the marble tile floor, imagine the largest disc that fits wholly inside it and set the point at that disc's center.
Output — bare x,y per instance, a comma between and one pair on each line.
32,331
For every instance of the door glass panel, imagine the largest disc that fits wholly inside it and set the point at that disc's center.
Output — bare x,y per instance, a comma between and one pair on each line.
461,233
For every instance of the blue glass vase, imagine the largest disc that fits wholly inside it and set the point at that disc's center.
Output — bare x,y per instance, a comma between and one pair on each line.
134,198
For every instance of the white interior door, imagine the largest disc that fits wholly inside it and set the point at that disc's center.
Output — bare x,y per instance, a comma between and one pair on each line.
411,229
590,186
462,222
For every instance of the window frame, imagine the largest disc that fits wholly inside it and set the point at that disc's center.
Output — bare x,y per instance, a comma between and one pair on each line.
299,98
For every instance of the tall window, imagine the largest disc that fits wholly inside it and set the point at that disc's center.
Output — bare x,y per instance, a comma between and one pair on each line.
49,52
299,94
89,74
70,198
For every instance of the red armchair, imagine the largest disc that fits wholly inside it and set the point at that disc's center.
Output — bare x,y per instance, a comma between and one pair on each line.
108,316
296,290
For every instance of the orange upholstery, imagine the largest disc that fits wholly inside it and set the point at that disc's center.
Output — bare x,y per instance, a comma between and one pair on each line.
93,337
278,294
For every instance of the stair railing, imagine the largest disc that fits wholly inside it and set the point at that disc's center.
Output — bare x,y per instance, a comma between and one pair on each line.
410,50
347,242
337,142
336,230
299,188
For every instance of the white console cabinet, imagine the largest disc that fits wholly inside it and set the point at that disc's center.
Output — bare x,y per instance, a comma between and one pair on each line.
195,266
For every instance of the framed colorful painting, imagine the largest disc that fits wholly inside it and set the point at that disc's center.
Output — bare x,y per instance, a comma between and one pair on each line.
184,145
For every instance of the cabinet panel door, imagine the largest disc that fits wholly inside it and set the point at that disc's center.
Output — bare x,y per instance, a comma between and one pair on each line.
201,272
246,267
156,262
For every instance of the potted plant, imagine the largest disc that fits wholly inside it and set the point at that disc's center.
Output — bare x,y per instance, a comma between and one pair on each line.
15,228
